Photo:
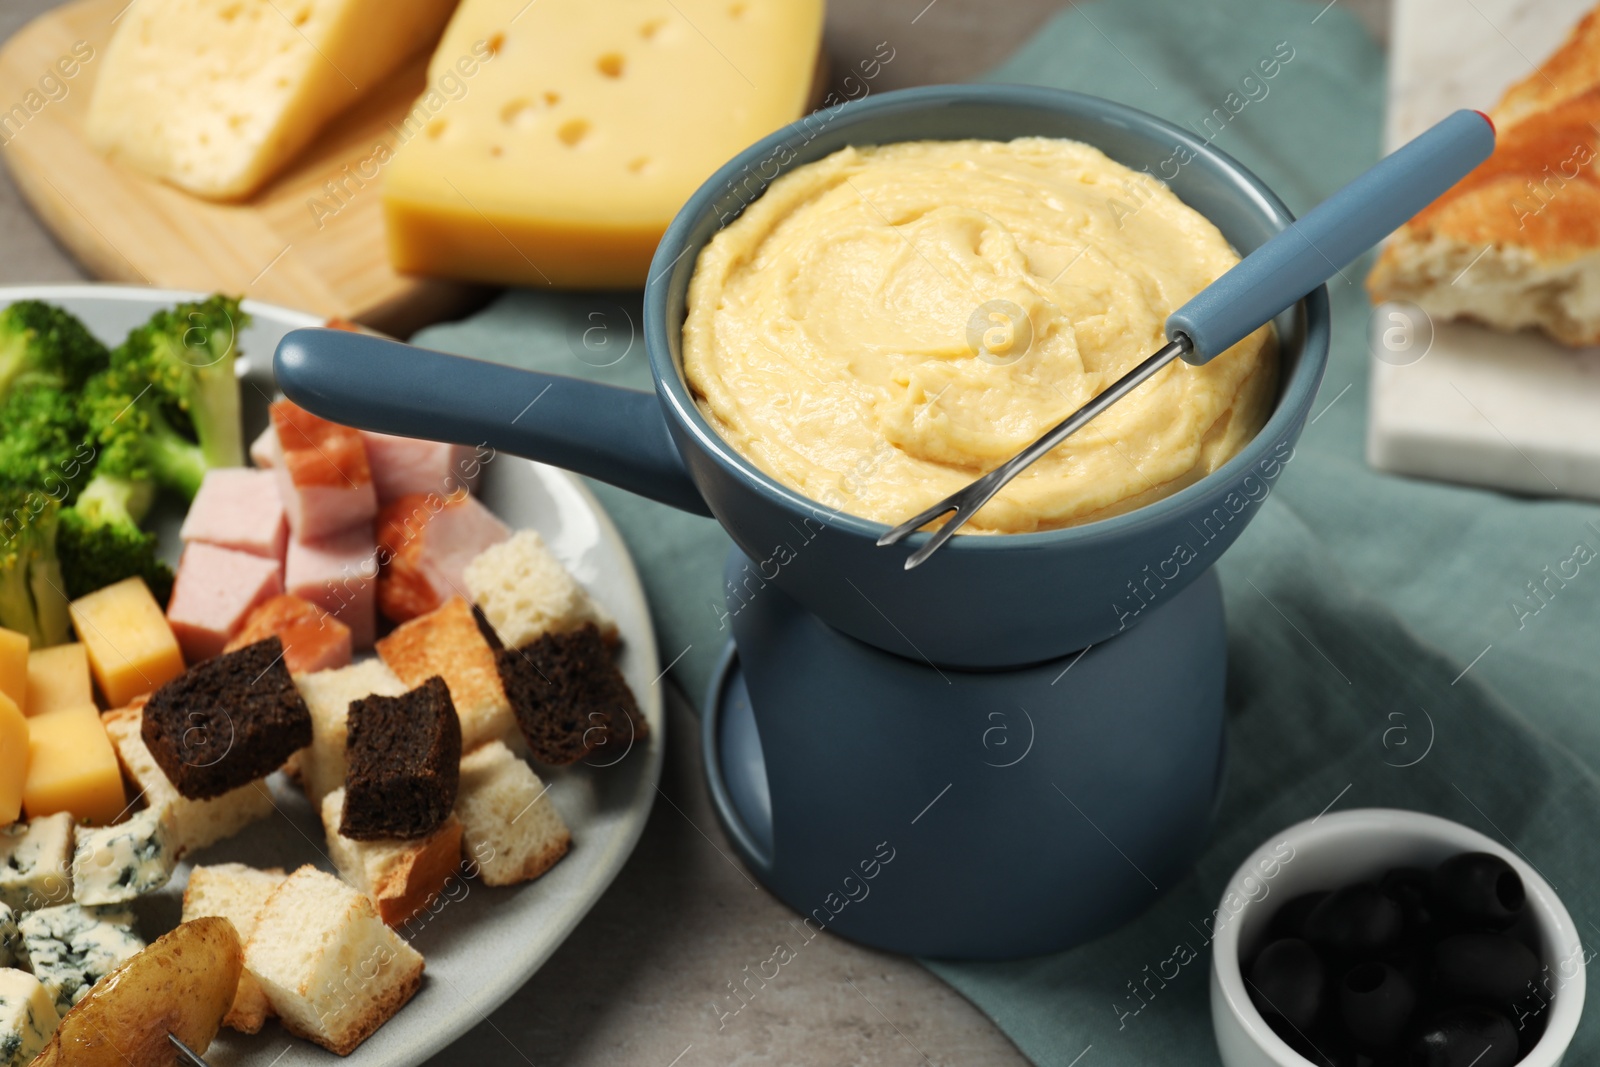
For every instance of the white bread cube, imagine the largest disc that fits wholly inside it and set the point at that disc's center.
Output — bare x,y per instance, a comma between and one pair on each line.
237,893
510,830
525,592
329,694
195,823
331,968
402,877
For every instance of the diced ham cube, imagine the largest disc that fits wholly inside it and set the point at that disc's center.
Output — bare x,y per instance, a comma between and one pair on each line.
339,573
264,449
215,591
238,508
402,465
312,639
425,543
323,478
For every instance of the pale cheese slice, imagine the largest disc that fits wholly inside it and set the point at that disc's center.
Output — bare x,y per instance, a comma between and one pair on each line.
561,161
216,96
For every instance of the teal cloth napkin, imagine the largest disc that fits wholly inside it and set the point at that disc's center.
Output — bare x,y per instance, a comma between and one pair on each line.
1372,619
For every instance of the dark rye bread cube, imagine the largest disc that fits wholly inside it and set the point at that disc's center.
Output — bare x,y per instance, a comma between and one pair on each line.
226,722
404,754
569,697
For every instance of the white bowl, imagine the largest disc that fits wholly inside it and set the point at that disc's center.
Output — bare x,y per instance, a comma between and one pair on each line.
1335,850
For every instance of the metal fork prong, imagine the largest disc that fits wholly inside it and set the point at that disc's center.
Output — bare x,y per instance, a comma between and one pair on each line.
938,538
188,1053
966,502
921,519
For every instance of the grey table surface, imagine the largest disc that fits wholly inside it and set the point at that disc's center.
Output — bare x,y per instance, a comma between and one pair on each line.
642,979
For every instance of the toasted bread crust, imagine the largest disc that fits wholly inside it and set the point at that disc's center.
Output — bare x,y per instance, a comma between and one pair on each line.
421,876
1537,199
1571,69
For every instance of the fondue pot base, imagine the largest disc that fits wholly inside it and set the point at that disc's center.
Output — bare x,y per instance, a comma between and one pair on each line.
961,814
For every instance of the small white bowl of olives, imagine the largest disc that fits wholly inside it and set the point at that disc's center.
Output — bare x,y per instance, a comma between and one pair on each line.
1389,938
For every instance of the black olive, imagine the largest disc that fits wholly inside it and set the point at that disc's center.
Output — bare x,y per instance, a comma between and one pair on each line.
1478,891
1412,889
1530,1017
1412,961
1355,921
1375,1004
1290,920
1483,968
1466,1036
1287,980
1528,930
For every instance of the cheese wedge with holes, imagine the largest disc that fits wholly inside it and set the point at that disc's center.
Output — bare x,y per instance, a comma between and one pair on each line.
215,96
560,158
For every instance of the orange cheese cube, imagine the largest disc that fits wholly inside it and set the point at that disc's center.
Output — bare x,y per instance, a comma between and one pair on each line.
13,759
132,651
58,678
14,667
72,767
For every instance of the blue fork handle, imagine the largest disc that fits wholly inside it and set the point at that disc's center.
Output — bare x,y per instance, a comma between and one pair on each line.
1331,235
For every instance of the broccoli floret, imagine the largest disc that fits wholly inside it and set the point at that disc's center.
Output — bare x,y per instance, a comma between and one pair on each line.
187,355
41,341
43,442
99,541
33,598
132,437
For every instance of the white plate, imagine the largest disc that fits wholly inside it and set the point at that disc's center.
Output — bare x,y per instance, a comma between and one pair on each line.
481,944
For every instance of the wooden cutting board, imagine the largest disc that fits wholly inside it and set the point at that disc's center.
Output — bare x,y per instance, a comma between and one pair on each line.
301,242
1509,411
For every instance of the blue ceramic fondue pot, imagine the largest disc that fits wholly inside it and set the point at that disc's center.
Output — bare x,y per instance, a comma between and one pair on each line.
984,601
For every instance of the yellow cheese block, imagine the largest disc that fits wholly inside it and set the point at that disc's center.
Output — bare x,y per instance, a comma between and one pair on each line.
131,648
14,666
72,767
216,95
557,139
58,677
13,759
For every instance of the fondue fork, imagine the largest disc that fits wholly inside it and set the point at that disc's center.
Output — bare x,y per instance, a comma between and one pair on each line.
1260,286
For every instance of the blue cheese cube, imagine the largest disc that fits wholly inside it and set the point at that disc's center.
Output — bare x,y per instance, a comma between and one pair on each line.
27,1017
35,863
71,947
10,938
114,864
